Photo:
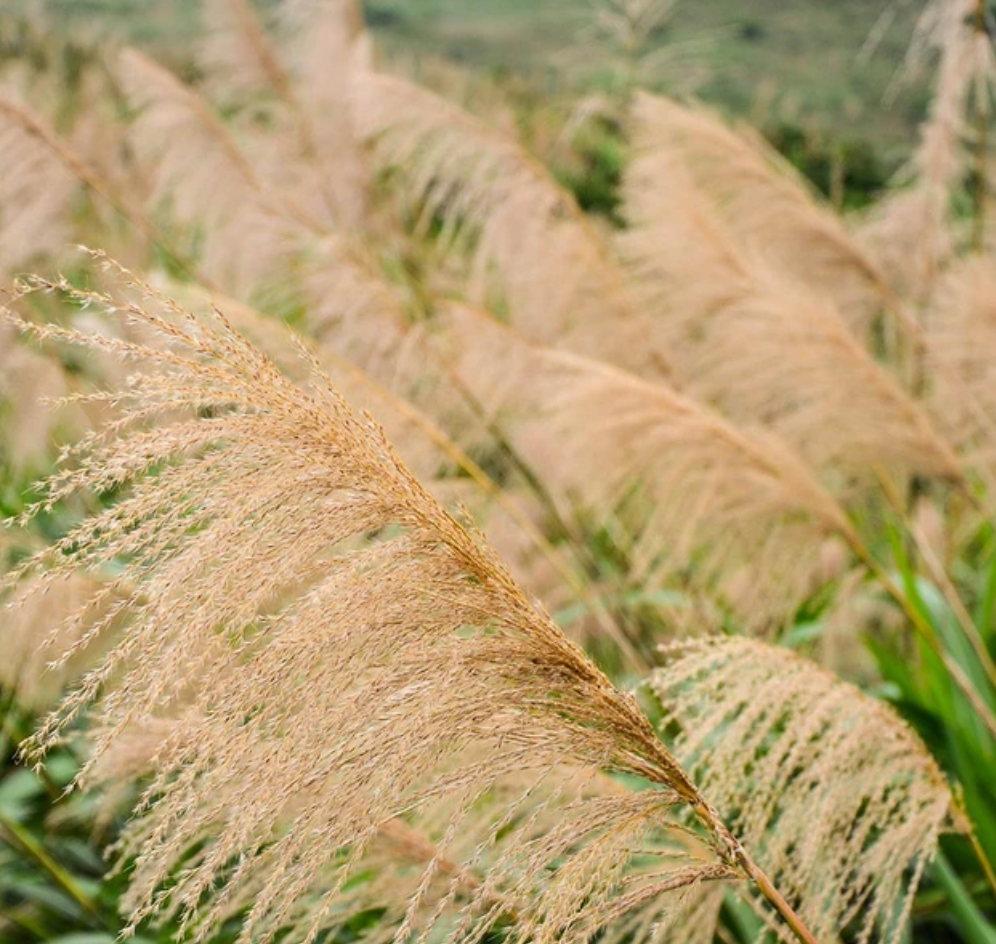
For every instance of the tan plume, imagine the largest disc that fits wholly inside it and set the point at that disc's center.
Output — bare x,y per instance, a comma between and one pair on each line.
283,548
739,504
27,379
248,228
762,345
839,793
558,276
304,77
765,203
326,48
36,192
961,333
911,231
237,54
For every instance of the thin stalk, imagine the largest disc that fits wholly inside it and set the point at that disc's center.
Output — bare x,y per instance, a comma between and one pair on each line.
974,923
734,851
980,854
964,822
777,900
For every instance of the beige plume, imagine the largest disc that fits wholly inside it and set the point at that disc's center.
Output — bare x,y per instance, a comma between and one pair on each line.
282,548
692,487
237,54
764,203
760,344
27,424
36,192
327,48
910,232
558,276
44,640
248,228
961,332
839,793
304,75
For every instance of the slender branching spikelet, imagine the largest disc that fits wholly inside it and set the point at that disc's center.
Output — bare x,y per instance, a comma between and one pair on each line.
362,367
427,872
43,643
559,278
909,231
337,651
839,793
248,227
764,202
760,344
719,502
36,190
961,328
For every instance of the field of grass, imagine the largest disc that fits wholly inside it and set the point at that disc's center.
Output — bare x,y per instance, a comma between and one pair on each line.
472,494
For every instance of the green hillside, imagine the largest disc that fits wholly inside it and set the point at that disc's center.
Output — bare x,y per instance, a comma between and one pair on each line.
772,60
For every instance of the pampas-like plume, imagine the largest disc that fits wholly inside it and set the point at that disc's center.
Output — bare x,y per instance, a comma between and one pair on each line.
759,343
559,278
839,793
961,331
367,371
353,309
909,232
765,203
338,652
320,154
237,54
738,509
35,192
248,227
328,47
426,872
